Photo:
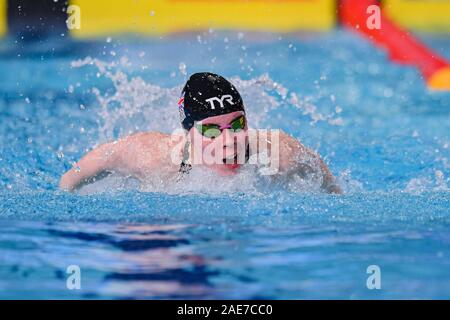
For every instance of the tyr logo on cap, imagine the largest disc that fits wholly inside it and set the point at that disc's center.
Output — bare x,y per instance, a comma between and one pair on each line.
207,95
228,98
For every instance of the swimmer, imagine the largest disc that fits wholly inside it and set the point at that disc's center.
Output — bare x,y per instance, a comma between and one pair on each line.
215,136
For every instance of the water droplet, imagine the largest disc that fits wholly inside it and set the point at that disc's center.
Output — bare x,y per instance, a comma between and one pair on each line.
182,68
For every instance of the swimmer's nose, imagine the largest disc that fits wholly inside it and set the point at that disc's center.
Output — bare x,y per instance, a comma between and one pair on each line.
228,137
229,143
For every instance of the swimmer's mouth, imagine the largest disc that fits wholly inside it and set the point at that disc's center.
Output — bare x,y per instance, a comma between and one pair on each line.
232,160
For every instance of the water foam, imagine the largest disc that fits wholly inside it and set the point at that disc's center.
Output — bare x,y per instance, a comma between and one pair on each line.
425,184
137,105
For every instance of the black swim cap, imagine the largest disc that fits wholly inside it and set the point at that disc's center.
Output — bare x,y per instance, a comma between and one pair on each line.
207,95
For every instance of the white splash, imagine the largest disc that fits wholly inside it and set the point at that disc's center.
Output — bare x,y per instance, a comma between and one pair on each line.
137,105
426,184
348,184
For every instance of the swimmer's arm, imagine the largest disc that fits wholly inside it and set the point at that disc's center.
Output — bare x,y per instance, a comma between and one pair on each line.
99,160
329,181
293,165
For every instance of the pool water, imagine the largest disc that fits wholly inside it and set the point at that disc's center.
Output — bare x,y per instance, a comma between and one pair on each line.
381,132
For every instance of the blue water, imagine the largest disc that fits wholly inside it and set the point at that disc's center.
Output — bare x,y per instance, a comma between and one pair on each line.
382,133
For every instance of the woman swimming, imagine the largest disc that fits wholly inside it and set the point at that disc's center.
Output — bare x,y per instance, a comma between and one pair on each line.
215,137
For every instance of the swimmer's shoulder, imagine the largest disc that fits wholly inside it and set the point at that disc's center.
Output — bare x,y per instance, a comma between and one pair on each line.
164,142
148,135
288,149
148,152
264,138
163,147
148,138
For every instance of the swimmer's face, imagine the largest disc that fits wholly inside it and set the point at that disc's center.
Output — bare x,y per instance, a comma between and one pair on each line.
221,141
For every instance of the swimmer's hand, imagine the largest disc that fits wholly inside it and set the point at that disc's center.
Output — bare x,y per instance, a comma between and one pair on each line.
99,160
298,159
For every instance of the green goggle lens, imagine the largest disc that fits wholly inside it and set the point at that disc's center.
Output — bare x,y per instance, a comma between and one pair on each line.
210,131
238,124
213,131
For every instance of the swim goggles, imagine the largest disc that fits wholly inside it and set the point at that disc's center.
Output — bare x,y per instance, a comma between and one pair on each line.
213,130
